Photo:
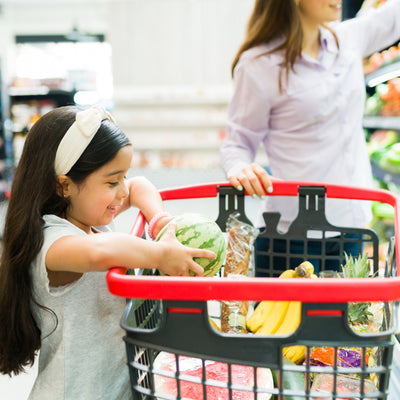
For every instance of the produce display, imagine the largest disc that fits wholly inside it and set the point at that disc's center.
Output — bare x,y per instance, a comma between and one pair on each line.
380,59
385,101
199,231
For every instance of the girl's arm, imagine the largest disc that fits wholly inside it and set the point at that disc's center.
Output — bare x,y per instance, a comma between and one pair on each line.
145,196
101,251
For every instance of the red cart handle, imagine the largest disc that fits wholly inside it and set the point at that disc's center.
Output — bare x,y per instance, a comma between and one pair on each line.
306,290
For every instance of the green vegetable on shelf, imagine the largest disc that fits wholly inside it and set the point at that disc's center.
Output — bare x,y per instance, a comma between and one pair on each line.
382,210
380,141
374,105
390,160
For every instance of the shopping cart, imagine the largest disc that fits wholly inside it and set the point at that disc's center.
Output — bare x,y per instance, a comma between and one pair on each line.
170,315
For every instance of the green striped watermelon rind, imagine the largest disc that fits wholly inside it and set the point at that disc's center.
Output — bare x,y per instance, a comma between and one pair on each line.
190,231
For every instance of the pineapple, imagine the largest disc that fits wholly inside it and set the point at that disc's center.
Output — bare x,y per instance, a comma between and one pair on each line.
356,267
359,314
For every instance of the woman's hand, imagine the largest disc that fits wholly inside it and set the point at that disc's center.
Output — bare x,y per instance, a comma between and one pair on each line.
254,179
177,259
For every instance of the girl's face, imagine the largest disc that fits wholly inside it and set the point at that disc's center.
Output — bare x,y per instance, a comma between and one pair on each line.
98,199
320,11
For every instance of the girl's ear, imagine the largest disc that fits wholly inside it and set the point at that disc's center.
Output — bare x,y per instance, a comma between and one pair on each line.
64,186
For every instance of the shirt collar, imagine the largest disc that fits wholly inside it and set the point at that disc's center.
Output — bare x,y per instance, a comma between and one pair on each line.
328,47
328,41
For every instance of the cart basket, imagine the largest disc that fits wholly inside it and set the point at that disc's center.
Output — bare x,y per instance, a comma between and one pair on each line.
174,352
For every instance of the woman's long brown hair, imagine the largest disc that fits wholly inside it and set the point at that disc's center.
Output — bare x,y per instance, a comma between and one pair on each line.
272,19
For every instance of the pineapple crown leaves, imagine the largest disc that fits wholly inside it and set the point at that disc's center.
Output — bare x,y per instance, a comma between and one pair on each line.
359,313
356,267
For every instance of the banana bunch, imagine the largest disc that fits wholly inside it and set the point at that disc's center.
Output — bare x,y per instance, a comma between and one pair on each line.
282,317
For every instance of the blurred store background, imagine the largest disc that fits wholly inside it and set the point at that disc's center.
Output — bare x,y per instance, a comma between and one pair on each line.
162,67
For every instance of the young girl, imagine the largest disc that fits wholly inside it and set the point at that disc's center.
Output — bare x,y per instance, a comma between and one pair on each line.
300,94
68,187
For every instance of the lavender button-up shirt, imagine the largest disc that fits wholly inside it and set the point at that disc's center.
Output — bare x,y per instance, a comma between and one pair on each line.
312,129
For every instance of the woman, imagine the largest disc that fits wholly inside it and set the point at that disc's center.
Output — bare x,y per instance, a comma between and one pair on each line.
300,93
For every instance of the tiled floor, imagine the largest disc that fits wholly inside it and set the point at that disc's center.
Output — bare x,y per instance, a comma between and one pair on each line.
17,388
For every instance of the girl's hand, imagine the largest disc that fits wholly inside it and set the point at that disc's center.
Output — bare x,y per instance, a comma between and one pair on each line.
177,259
254,179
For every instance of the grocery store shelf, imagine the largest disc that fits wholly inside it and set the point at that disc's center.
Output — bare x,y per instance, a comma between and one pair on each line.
38,91
383,74
381,122
384,176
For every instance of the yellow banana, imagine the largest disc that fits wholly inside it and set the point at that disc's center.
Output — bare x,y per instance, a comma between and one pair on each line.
289,273
304,270
292,319
275,318
281,317
260,314
295,353
291,322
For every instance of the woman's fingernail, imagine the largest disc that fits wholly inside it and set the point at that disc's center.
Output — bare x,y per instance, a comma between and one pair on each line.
263,197
270,189
240,187
254,196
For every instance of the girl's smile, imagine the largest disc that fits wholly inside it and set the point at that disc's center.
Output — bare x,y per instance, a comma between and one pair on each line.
113,209
336,7
99,199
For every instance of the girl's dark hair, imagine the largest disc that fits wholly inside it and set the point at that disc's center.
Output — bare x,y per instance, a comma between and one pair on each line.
272,19
34,193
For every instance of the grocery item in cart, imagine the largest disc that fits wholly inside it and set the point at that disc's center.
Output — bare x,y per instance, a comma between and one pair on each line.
239,252
345,385
241,237
199,231
191,379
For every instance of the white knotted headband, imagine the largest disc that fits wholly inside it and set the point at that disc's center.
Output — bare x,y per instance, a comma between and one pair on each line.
78,137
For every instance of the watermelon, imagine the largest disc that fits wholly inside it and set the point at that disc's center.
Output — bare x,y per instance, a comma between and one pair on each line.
199,231
217,375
